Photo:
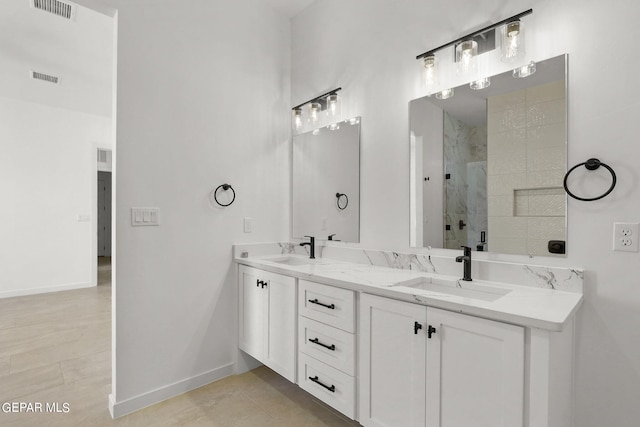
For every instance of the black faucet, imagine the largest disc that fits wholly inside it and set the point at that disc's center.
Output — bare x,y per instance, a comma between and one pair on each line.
312,246
466,259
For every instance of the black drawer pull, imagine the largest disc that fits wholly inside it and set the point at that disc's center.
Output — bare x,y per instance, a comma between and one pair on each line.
331,347
332,389
431,330
261,283
329,306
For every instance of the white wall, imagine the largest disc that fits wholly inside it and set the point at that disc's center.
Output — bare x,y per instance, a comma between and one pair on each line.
202,100
369,48
47,173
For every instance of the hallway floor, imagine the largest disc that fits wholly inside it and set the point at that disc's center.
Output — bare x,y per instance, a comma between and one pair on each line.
57,348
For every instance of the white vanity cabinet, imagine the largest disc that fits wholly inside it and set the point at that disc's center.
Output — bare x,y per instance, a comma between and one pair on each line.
327,344
423,366
267,319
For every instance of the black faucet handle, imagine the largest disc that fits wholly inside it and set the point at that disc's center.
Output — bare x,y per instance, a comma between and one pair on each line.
467,250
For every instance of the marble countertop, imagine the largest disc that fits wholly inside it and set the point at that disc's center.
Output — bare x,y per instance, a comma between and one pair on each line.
531,307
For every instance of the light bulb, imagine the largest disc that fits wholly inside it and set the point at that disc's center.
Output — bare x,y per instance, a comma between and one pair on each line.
512,41
525,70
333,105
480,83
314,111
445,94
297,118
466,53
430,72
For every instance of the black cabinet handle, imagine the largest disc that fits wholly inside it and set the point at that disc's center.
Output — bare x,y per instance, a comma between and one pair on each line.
331,347
332,389
315,301
430,330
416,326
261,283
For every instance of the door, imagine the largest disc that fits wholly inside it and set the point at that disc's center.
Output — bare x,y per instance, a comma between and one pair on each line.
251,321
104,213
475,372
392,362
280,311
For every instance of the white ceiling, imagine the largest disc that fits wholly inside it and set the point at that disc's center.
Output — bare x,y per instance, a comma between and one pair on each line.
79,52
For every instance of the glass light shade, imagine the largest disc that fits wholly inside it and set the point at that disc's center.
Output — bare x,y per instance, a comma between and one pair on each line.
430,72
353,121
525,70
333,105
466,53
314,112
480,83
297,118
512,41
334,126
445,94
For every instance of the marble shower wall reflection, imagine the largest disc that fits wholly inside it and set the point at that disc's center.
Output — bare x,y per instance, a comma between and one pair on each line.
527,162
465,157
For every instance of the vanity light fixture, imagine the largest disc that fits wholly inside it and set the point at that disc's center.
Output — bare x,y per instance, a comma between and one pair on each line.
466,53
333,126
480,83
314,112
353,121
468,47
327,103
297,118
525,70
512,41
430,72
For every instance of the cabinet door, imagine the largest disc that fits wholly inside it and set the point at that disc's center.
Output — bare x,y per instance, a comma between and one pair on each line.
280,321
475,372
392,362
251,312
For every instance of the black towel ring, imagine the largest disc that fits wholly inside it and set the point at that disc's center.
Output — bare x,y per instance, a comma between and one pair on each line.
591,164
346,203
225,187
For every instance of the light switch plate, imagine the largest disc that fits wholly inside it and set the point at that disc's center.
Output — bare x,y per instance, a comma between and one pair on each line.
145,217
625,236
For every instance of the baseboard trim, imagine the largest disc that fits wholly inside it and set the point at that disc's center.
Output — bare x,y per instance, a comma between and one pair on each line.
44,290
127,406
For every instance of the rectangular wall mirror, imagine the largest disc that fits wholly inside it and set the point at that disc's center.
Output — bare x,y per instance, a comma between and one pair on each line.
487,166
326,182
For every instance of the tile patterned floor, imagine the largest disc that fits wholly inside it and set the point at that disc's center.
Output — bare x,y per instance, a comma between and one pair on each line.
56,348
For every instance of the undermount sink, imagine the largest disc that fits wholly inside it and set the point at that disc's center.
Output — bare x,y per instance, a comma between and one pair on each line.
450,287
293,261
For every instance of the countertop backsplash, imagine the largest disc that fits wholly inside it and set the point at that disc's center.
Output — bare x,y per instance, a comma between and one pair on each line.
539,276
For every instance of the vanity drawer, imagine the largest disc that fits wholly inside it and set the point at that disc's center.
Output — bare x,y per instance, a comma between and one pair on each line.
330,345
333,387
327,304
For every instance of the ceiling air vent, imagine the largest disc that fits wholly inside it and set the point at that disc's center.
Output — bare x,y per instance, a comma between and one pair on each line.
45,77
62,9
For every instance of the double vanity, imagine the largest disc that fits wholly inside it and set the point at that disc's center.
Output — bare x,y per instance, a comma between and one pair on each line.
400,347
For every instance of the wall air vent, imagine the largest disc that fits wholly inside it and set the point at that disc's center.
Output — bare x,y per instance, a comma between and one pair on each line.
59,8
45,77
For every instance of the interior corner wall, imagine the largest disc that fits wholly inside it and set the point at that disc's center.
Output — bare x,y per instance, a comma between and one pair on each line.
203,98
369,49
47,162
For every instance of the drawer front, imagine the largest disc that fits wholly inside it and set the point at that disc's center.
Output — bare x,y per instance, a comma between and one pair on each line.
330,345
333,387
327,304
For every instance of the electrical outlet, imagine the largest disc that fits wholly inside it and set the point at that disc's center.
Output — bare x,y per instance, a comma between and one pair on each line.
625,236
248,225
